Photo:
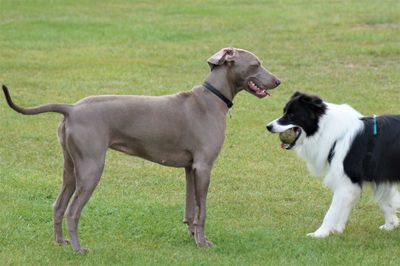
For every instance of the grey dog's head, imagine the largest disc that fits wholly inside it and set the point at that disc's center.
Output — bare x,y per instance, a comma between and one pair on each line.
245,70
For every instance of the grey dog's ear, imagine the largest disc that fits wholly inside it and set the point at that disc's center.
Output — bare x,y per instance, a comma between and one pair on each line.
222,56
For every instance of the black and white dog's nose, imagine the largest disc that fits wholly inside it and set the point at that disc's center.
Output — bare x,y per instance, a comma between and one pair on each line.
269,127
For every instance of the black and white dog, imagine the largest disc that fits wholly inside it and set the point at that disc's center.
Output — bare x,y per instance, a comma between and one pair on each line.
348,149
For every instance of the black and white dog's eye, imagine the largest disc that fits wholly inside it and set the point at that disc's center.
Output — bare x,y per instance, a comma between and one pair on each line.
290,115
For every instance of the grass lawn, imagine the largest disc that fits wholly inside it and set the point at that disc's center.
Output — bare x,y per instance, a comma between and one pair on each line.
262,200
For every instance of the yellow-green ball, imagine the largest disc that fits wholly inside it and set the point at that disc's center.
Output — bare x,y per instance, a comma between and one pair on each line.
288,136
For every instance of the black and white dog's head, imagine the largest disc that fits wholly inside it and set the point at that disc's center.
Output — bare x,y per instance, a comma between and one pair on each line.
302,113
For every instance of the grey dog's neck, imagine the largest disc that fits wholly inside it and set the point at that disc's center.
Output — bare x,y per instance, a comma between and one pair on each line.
225,86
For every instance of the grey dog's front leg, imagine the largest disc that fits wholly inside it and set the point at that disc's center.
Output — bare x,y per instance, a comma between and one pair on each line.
190,207
201,180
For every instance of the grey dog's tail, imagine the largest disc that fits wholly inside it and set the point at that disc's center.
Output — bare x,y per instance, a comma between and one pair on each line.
52,107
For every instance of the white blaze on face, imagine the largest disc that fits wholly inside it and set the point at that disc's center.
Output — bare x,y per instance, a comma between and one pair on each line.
278,128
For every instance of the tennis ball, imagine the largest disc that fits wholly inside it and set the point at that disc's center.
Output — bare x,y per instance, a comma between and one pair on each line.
288,136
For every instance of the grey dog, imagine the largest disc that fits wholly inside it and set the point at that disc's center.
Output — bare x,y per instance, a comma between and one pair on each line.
186,130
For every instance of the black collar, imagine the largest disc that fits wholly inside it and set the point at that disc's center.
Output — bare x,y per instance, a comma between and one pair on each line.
211,88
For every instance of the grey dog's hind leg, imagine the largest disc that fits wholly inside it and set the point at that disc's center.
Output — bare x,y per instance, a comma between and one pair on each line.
88,154
88,173
61,204
67,189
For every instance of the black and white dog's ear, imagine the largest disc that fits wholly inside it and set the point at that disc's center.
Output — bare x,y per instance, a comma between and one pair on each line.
297,93
311,100
305,98
317,102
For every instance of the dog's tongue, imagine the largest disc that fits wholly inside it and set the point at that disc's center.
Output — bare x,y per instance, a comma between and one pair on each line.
284,146
258,91
262,93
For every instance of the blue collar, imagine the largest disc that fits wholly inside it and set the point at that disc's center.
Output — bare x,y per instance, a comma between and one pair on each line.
375,126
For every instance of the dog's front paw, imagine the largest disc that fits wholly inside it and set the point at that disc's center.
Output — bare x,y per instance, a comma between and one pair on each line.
200,239
389,226
320,233
204,243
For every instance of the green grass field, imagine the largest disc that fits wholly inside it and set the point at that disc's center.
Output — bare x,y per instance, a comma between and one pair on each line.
262,200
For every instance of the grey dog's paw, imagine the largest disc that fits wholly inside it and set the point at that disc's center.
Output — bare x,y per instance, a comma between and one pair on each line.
206,243
63,242
83,250
203,242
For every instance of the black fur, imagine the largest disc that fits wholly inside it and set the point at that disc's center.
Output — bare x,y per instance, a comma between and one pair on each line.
304,111
331,153
375,158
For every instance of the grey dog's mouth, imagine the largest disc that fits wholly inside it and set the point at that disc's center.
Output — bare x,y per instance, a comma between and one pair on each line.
257,90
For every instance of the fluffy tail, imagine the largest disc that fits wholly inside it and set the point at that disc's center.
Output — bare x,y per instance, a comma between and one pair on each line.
58,108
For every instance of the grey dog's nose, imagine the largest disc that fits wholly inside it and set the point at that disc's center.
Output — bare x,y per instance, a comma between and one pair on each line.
269,127
277,82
